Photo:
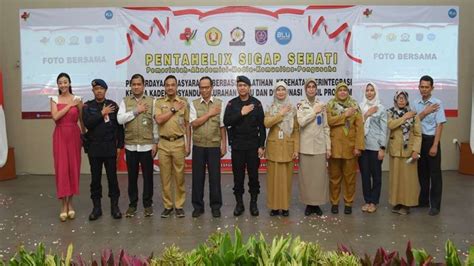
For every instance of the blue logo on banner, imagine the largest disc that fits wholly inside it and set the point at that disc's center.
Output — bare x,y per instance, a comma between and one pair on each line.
431,37
283,35
452,13
109,14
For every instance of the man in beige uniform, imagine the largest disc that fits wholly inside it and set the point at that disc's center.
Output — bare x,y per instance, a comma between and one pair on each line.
172,116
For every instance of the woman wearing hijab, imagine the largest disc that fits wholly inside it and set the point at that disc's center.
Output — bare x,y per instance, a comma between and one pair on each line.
281,149
404,148
315,148
370,161
347,141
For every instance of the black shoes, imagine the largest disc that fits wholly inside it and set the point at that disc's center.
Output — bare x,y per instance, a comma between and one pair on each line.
197,213
253,205
254,209
166,213
115,212
239,208
347,209
433,212
318,211
95,214
335,209
310,209
396,208
285,213
180,213
216,213
274,212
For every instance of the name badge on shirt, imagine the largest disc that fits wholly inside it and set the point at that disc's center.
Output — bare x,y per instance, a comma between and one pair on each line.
106,118
280,134
144,121
319,120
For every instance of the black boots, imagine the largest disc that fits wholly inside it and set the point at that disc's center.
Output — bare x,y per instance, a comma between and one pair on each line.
253,205
96,211
114,209
239,207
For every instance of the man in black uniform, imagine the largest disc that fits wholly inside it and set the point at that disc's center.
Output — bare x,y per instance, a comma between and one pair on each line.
243,119
105,138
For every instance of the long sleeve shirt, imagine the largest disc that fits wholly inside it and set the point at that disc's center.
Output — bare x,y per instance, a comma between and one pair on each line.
245,131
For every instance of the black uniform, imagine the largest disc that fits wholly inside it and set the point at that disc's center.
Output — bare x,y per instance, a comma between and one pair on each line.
105,136
246,135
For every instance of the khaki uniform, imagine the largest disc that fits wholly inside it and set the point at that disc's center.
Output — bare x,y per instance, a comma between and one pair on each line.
206,154
314,143
279,153
343,163
171,151
404,186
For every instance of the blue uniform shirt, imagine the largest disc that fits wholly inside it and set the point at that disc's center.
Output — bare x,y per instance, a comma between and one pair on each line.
429,123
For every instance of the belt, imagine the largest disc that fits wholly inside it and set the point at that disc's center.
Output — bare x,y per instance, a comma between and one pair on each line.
171,138
427,136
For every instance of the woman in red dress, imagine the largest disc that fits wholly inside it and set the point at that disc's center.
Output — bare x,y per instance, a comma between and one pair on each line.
66,109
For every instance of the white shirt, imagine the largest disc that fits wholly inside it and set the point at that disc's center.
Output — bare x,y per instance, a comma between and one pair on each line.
124,117
193,112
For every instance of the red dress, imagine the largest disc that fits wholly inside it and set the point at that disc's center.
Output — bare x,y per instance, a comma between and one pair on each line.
67,152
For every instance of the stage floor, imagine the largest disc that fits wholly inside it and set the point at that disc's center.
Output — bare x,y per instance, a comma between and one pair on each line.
29,215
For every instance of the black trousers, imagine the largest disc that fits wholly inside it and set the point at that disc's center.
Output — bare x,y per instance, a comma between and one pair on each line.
241,160
429,175
134,159
371,172
110,164
210,158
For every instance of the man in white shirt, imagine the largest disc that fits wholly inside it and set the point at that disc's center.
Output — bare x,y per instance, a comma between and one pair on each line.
136,115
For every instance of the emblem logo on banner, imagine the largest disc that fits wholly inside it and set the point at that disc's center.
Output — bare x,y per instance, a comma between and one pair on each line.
60,40
419,37
405,37
188,35
213,36
391,37
109,14
283,35
261,35
238,36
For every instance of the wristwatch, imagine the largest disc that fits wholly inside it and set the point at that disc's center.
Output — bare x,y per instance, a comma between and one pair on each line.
173,110
382,147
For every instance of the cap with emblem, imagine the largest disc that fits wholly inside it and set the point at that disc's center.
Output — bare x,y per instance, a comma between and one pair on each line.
243,79
99,82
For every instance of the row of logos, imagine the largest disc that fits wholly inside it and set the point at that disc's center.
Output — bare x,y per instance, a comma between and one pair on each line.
404,37
213,36
73,40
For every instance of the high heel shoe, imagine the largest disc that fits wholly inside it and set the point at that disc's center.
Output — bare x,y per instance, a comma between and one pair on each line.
71,214
63,216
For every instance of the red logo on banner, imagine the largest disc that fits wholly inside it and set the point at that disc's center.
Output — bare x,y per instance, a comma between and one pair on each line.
367,12
188,35
25,15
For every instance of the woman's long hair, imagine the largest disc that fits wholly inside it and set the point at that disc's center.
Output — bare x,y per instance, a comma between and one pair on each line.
68,78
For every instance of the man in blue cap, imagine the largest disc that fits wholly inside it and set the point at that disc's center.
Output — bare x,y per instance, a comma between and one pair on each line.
105,137
243,119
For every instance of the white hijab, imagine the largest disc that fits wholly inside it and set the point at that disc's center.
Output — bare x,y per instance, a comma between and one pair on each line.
288,121
367,104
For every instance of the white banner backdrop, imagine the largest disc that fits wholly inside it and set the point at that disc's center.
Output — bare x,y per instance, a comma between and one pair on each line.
390,45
